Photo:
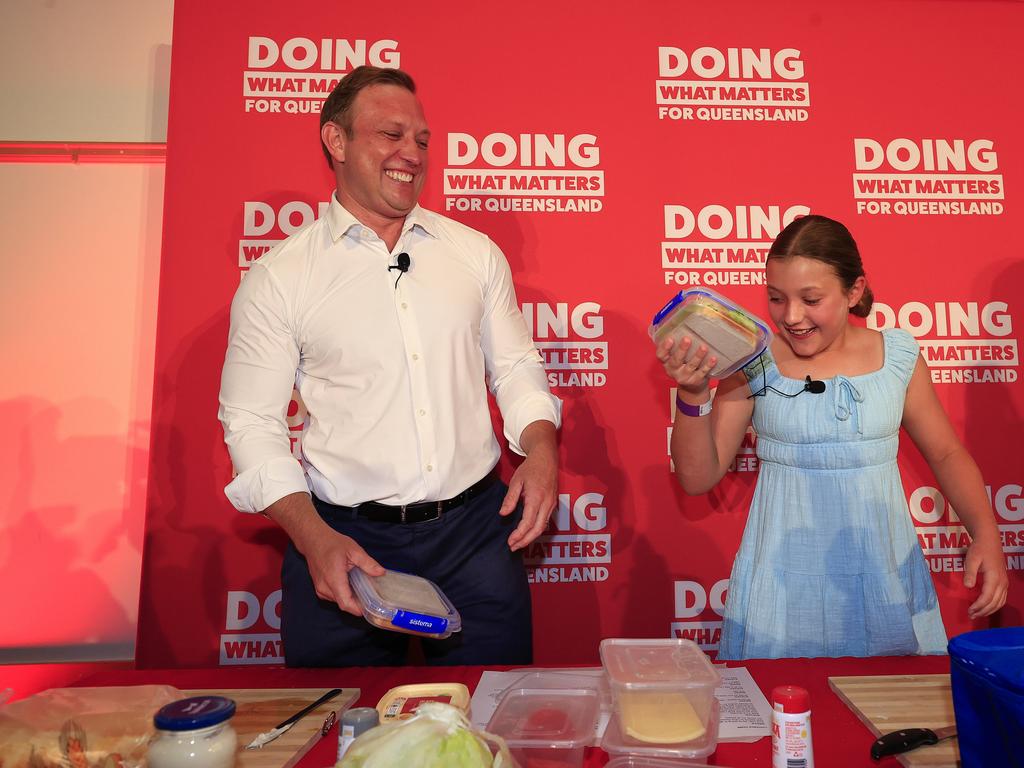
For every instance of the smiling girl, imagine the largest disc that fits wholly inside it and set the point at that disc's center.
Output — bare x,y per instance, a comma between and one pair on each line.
829,563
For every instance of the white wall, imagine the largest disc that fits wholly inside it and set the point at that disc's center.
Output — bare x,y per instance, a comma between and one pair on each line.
77,322
84,70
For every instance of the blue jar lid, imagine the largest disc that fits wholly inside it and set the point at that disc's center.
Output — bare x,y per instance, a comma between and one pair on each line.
194,713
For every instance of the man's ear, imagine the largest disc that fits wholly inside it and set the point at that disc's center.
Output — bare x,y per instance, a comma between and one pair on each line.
333,136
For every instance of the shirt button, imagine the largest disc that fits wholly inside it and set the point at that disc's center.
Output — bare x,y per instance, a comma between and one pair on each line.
415,356
430,467
422,412
404,305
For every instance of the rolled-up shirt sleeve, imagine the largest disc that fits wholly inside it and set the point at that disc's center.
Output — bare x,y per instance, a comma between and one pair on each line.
515,368
256,388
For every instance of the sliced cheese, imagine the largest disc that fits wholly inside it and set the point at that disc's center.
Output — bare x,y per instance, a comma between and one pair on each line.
660,718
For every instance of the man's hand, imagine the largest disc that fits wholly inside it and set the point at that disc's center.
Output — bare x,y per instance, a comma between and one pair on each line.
535,483
329,555
329,559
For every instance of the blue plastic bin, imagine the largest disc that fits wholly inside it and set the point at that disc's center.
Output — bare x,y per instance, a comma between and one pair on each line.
987,675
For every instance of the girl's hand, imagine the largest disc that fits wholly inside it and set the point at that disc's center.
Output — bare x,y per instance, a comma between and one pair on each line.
690,376
985,556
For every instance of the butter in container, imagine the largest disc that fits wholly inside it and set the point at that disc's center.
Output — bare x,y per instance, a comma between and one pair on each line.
402,602
732,334
400,703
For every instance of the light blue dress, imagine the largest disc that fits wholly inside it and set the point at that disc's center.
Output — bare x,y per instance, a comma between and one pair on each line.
830,564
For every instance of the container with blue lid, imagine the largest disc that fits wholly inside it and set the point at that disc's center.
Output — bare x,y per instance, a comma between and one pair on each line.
402,602
194,713
194,733
732,334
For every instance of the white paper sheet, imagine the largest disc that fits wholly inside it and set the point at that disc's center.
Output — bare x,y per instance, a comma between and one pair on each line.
744,712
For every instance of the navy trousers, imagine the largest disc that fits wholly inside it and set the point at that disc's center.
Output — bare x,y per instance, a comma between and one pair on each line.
465,553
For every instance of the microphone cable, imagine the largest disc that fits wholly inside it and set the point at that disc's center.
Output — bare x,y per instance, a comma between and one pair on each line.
814,386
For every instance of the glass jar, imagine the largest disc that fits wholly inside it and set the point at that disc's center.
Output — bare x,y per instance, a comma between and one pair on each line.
194,733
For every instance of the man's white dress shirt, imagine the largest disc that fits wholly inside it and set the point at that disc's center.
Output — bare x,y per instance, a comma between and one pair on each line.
394,379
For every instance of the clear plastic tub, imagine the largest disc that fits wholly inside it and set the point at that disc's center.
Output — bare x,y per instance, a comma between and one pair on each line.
731,333
617,743
547,724
405,603
663,689
566,679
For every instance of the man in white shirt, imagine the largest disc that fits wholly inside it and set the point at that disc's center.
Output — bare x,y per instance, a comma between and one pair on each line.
391,321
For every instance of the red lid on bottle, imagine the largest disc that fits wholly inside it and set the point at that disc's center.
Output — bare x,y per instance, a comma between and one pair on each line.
791,699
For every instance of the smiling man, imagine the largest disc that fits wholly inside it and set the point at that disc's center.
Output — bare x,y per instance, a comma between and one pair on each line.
392,322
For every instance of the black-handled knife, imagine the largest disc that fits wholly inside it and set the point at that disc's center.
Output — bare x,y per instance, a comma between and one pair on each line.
269,736
897,742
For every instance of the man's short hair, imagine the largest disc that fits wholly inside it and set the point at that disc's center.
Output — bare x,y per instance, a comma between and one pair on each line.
338,106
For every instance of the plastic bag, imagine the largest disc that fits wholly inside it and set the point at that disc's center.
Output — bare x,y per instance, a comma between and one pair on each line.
82,727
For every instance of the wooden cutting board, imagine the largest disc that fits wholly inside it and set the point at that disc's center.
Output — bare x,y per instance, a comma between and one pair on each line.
886,703
260,709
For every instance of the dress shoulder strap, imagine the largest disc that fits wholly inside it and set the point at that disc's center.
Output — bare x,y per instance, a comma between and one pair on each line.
901,352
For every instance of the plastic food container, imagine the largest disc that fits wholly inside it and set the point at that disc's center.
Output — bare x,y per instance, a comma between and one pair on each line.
547,726
731,333
617,743
401,702
987,679
562,679
405,603
663,689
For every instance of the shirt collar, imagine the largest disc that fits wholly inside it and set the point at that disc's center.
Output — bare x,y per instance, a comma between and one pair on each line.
341,221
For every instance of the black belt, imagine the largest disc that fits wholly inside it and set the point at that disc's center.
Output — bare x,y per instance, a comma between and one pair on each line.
421,511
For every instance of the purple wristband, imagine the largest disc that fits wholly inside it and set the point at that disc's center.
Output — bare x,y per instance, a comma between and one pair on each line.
693,410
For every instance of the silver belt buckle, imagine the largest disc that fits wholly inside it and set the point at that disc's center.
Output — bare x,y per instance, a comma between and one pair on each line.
401,513
438,510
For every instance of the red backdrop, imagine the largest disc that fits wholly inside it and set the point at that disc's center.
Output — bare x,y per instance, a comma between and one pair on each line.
617,157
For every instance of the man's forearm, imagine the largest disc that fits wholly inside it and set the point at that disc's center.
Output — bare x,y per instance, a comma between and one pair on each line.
540,436
298,517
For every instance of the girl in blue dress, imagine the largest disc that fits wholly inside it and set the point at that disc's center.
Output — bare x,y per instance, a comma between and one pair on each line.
829,563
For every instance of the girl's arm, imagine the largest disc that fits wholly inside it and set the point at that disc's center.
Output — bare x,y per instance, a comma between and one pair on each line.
703,447
961,482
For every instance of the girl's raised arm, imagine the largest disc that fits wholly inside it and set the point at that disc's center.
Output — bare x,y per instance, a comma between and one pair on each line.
704,446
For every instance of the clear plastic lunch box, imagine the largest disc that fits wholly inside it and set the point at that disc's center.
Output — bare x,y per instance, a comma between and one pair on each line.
731,333
548,726
402,602
663,689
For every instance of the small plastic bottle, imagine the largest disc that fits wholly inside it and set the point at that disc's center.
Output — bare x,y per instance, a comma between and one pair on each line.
354,722
791,728
194,733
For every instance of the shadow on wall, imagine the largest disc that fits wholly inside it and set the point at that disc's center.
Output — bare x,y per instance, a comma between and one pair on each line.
988,410
74,503
197,547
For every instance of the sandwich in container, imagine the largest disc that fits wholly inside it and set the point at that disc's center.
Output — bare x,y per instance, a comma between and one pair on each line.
732,334
402,602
